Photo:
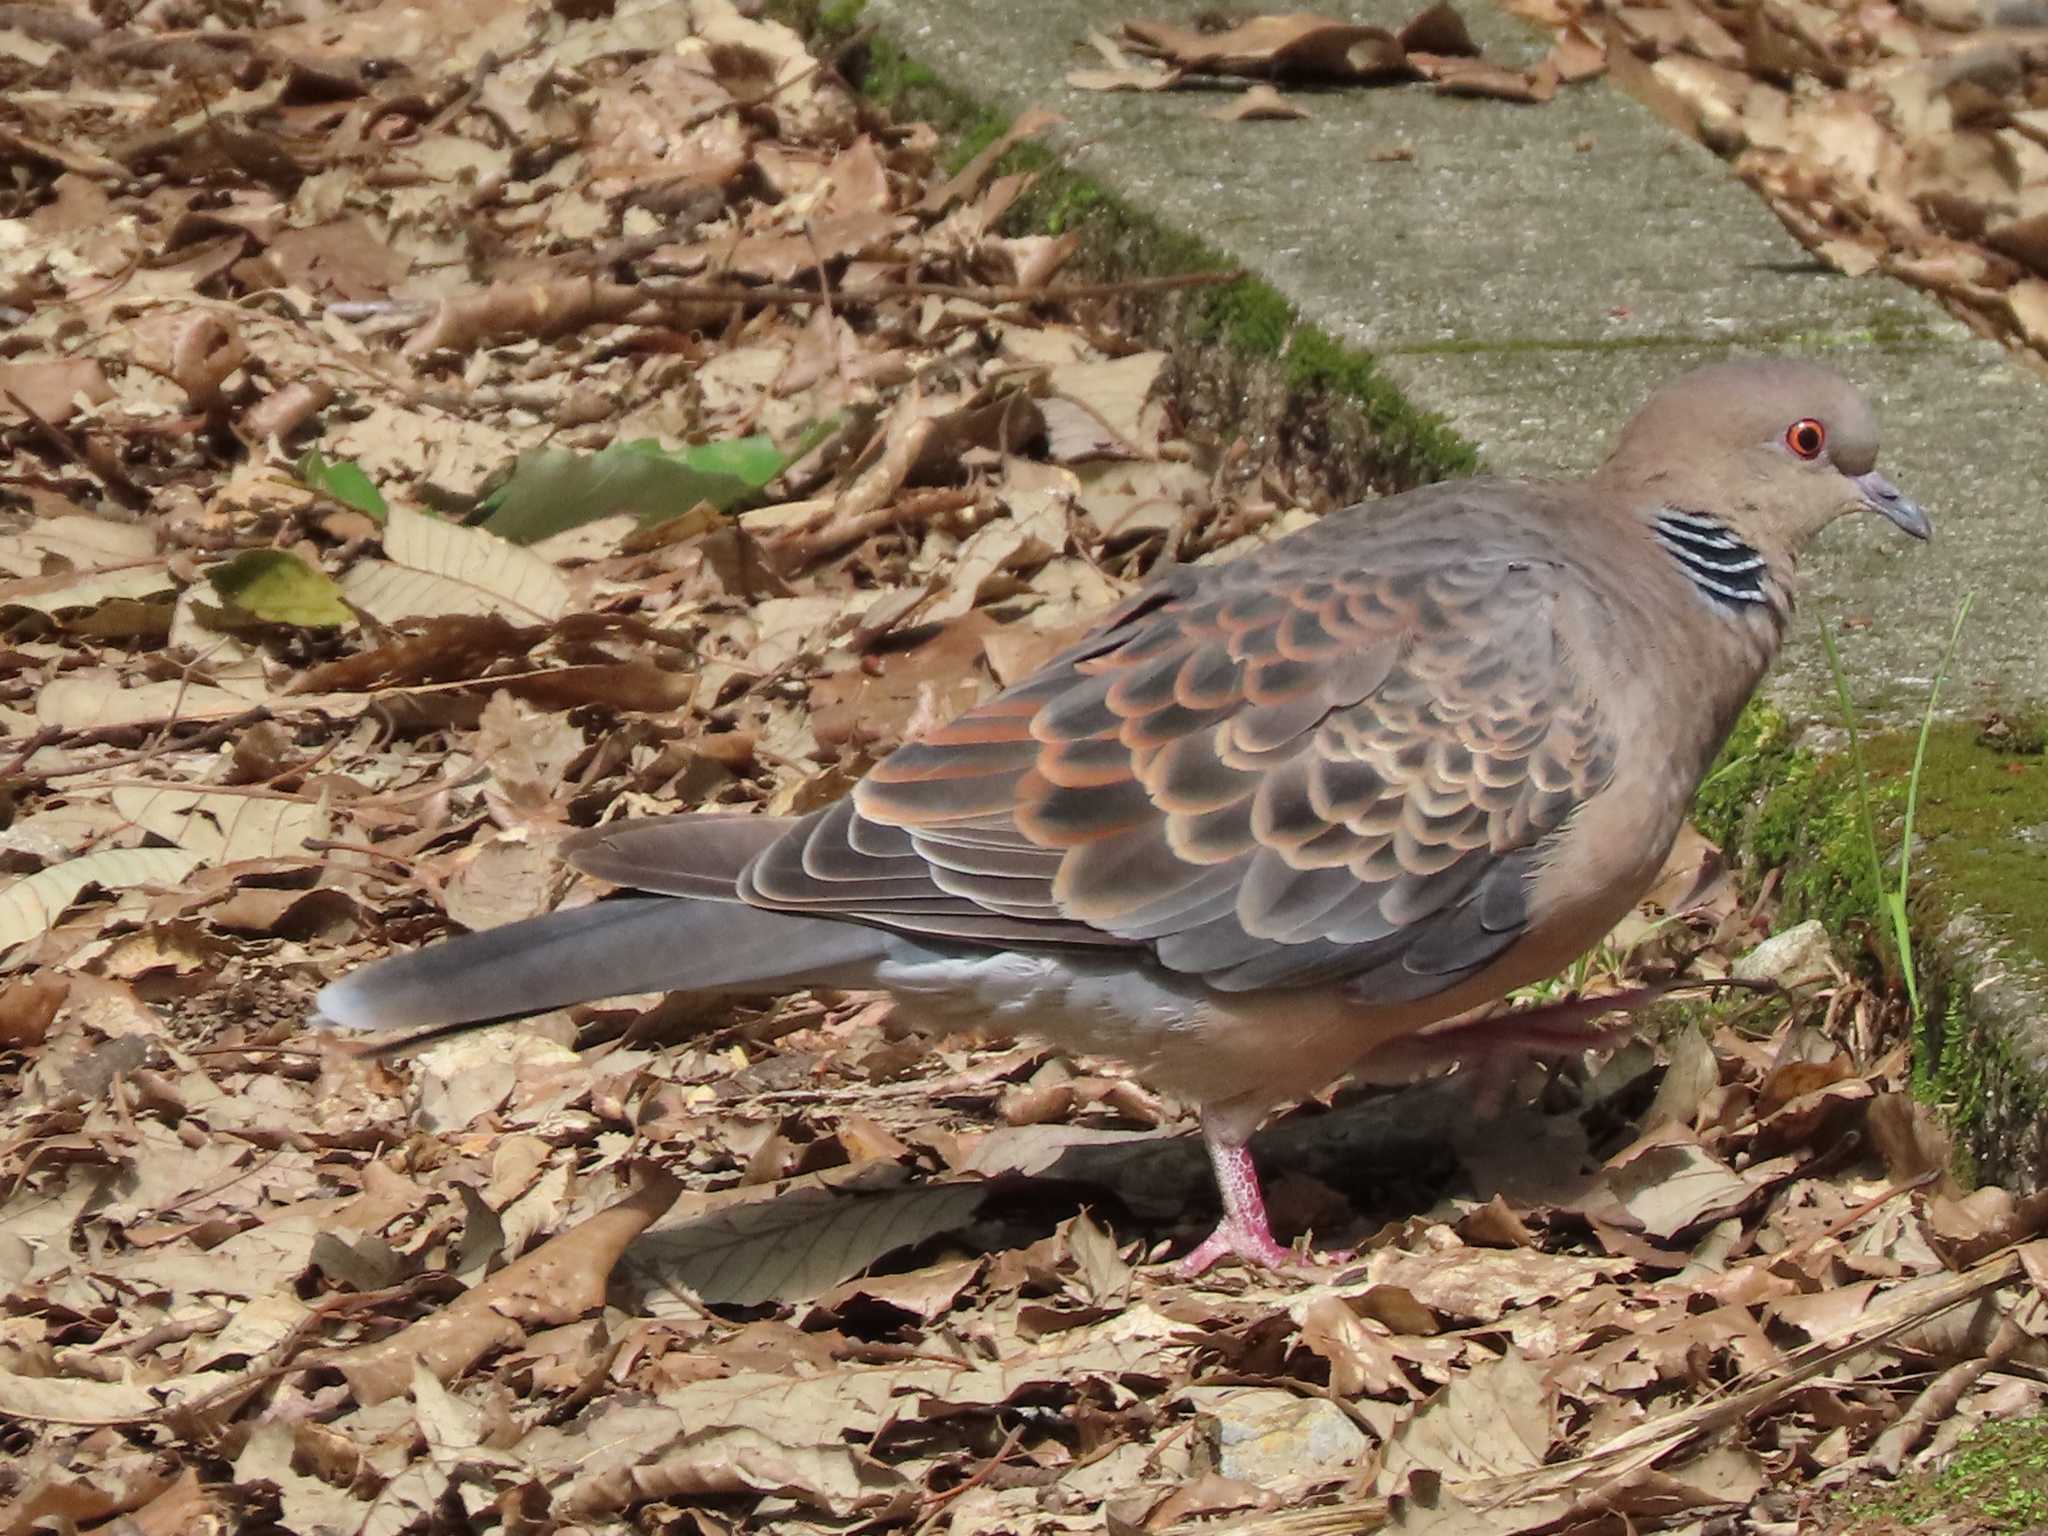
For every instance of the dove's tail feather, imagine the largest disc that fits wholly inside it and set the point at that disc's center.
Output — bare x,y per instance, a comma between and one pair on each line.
608,949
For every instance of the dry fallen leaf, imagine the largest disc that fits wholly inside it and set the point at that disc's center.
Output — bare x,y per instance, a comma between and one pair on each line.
562,1279
1491,1422
1261,103
796,1246
435,569
32,904
1299,46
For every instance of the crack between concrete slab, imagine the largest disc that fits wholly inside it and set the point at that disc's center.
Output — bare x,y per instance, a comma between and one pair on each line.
1811,340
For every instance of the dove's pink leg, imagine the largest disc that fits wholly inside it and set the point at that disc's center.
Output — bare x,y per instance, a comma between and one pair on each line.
1244,1230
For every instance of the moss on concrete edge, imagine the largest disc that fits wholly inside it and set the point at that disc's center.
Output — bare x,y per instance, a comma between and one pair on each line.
1280,373
1994,1483
1980,904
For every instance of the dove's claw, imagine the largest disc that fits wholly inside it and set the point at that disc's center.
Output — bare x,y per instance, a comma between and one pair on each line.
1229,1239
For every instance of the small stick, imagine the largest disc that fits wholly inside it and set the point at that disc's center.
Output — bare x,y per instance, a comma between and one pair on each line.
126,491
217,732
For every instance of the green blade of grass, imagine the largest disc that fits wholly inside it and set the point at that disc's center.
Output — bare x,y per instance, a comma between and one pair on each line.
1900,919
1894,903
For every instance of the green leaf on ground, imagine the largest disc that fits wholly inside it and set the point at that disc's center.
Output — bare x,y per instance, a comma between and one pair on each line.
553,489
753,460
344,481
280,588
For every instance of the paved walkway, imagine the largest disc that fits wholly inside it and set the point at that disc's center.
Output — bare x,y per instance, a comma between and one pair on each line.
1533,271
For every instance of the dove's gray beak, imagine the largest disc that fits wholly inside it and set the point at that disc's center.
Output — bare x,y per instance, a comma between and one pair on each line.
1881,496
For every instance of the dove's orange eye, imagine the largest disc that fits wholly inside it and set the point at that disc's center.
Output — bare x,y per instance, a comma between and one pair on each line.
1806,437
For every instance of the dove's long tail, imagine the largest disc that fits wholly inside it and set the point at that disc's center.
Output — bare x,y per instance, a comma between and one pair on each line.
608,949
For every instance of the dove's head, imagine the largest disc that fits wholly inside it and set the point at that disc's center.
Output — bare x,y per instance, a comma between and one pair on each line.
1777,449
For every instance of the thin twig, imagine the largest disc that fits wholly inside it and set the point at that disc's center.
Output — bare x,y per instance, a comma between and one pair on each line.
174,1332
126,491
1941,1396
939,1501
699,119
245,791
217,732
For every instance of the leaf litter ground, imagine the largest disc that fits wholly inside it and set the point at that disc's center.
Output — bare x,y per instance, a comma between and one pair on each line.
429,435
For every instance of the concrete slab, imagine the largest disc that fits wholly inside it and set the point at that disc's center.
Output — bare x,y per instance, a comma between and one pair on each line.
1534,271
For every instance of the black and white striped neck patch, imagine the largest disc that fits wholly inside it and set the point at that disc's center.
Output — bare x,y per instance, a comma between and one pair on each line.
1720,564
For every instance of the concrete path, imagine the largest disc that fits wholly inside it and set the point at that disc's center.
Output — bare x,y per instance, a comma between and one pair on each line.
1534,271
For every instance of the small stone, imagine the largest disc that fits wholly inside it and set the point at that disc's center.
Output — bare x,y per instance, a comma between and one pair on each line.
1264,1434
1792,958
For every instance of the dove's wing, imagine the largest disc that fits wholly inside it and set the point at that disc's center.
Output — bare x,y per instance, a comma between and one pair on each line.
1338,759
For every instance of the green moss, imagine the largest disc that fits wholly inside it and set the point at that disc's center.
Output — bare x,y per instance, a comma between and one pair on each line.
894,78
1954,1067
1785,808
1058,204
1418,440
1758,753
1249,316
1982,824
1996,1482
1900,325
827,24
1812,824
1895,327
838,18
1511,346
1983,821
972,140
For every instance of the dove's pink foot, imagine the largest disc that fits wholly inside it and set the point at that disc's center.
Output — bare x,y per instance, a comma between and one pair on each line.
1244,1231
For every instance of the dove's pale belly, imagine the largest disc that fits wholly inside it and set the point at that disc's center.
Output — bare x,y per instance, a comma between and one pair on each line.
1108,1007
1178,1035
